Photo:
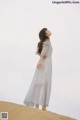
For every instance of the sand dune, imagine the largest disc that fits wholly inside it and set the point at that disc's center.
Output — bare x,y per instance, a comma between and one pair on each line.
21,112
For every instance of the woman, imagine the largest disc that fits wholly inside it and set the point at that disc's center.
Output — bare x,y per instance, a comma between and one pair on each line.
40,88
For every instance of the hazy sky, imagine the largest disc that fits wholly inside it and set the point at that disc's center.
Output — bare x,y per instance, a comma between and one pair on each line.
20,23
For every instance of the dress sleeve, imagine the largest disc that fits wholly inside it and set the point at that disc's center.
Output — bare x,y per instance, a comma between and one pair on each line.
45,49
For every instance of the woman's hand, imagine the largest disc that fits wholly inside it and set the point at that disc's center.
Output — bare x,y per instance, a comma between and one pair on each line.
40,62
39,65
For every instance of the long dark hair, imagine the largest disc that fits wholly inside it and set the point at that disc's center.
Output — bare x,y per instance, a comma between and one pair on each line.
43,38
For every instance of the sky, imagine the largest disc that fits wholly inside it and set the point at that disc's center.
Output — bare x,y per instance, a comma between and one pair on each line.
20,23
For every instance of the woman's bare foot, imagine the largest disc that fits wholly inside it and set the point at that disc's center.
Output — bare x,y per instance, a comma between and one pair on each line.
44,108
37,106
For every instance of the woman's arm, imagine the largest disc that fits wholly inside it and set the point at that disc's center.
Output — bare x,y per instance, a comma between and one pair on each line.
43,54
45,50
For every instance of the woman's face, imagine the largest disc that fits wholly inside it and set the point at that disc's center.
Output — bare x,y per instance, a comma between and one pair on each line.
48,33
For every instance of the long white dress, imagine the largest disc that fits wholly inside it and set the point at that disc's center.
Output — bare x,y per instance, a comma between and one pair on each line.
40,88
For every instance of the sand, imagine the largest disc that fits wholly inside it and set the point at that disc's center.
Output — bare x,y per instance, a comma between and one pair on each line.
22,112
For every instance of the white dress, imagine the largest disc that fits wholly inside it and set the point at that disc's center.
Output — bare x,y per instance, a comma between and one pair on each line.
40,88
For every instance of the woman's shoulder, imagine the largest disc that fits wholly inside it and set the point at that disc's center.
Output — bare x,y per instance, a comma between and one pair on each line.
47,42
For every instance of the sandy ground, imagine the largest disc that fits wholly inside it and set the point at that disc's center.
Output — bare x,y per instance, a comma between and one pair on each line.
22,112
